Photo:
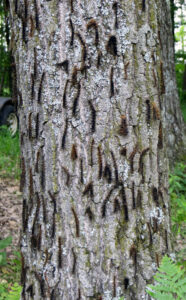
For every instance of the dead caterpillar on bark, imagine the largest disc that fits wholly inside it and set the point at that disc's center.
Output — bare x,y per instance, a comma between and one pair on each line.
89,213
89,190
91,152
100,163
74,76
76,221
160,137
123,130
139,200
155,195
64,135
64,64
93,112
40,87
32,86
37,125
116,205
93,24
104,206
31,33
59,252
156,111
74,262
114,286
143,5
64,94
143,153
99,59
148,116
36,14
107,173
126,283
72,33
23,174
115,167
124,200
81,169
115,8
75,103
74,155
133,197
24,215
133,255
154,77
111,46
111,82
125,70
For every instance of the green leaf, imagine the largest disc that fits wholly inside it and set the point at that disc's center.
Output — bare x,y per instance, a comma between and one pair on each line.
5,242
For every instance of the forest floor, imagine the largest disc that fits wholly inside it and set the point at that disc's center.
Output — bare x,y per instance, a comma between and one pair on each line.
10,211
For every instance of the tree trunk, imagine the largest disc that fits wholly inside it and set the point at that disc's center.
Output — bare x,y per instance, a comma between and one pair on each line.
171,113
91,87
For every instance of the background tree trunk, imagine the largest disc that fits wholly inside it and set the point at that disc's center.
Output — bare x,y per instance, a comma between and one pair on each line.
91,87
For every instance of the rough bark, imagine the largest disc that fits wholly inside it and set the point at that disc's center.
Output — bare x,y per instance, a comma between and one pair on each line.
172,116
91,85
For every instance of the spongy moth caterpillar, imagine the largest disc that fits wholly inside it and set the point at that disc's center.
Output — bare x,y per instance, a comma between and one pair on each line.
24,215
93,112
74,262
162,84
133,255
74,155
74,76
59,252
37,125
89,189
115,8
81,171
76,221
111,46
115,167
114,286
75,103
23,174
64,94
31,186
126,283
36,14
160,137
123,151
67,176
124,200
148,116
91,152
39,237
156,111
64,64
30,126
40,87
139,199
107,173
143,153
52,196
155,194
111,82
72,5
72,33
123,130
133,197
150,233
64,135
100,163
143,5
37,161
31,33
93,24
99,59
154,77
35,63
116,205
32,86
83,47
104,206
125,70
88,212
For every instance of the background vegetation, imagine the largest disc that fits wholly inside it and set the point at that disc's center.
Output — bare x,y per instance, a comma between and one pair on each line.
170,277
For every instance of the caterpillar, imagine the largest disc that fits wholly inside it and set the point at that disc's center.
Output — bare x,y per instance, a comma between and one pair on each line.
89,189
111,82
93,112
40,87
72,33
148,116
107,173
59,252
76,221
81,169
74,155
75,103
74,262
64,135
100,163
64,94
115,8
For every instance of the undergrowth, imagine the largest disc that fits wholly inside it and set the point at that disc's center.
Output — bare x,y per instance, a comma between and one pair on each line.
9,154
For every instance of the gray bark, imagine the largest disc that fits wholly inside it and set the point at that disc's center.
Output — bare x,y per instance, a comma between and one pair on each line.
90,78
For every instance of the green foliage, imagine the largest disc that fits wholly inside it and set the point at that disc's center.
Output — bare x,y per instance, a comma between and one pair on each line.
13,294
177,188
171,283
3,244
9,154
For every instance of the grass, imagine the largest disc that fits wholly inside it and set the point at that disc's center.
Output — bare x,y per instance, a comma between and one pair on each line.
9,154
